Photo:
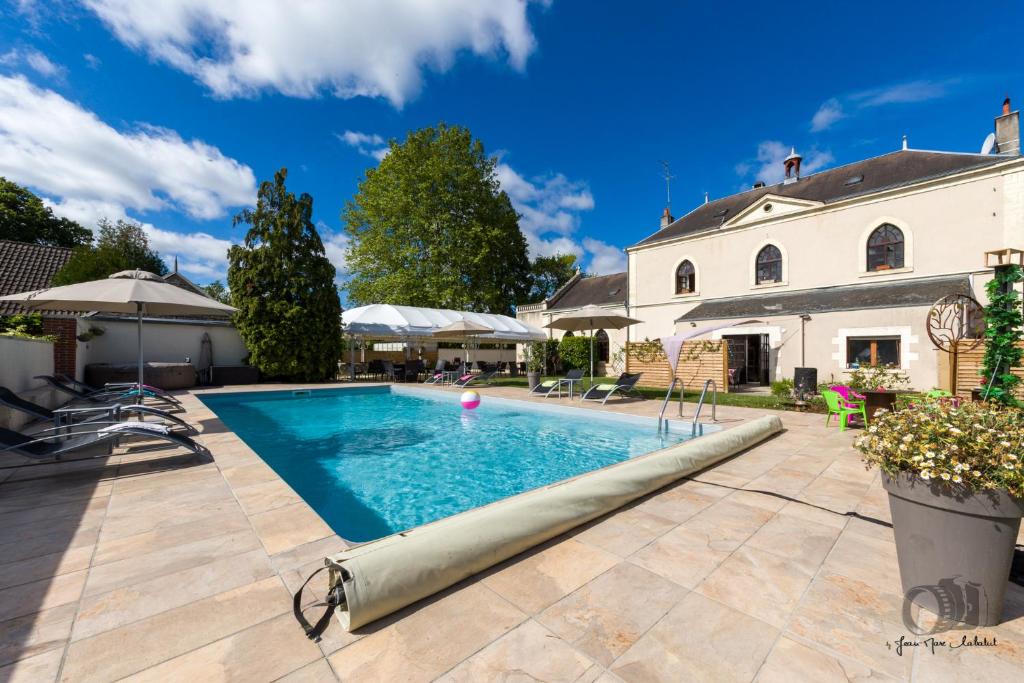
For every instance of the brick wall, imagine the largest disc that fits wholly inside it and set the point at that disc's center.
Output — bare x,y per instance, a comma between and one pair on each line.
66,348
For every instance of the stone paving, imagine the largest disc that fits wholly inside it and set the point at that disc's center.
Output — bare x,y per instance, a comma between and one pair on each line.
151,564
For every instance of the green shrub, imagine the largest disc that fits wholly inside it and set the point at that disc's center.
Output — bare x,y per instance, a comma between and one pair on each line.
574,352
782,388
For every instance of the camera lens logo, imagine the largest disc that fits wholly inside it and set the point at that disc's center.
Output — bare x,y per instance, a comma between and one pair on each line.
955,601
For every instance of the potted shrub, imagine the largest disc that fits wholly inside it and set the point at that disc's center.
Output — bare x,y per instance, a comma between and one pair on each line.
534,354
955,487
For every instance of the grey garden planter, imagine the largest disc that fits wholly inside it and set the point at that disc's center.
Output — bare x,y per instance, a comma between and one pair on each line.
954,550
532,378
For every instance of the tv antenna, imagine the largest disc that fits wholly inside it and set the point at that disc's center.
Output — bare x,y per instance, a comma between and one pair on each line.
666,173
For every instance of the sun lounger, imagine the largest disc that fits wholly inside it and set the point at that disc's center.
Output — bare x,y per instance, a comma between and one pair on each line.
625,384
119,395
44,448
466,380
109,414
114,388
545,388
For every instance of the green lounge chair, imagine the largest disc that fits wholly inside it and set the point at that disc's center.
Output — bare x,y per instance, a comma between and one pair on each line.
842,408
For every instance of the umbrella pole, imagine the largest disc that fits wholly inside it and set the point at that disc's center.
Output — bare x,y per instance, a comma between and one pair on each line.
138,398
591,356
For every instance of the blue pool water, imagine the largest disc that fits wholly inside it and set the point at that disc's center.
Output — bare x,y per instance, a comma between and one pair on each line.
373,461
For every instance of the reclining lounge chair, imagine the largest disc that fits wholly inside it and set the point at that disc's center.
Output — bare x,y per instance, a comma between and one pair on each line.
108,414
122,394
545,388
625,384
43,448
483,377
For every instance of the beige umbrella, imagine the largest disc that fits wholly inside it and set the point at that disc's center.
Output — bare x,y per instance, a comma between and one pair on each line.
463,329
591,318
129,291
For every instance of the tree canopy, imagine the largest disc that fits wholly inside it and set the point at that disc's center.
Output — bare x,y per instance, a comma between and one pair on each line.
120,246
25,218
282,284
217,291
549,273
430,226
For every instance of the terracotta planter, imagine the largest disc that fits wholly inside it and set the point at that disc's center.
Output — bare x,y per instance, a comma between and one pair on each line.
532,378
954,551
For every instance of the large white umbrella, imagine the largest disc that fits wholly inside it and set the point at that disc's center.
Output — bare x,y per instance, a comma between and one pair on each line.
463,329
130,291
591,318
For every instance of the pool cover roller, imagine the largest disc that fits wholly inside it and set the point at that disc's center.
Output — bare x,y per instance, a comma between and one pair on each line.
383,576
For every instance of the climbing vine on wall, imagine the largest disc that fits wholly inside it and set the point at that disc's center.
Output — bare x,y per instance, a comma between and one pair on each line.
1003,325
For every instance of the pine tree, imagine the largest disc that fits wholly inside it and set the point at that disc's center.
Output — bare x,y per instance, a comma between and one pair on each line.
282,284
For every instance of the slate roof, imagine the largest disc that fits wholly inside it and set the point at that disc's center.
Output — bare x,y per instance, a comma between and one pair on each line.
901,293
600,290
896,169
24,267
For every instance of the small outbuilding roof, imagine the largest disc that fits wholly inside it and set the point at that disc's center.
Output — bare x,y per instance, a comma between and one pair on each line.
387,321
918,292
24,267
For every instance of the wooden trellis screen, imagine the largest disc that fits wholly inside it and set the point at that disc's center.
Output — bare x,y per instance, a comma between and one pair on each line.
699,361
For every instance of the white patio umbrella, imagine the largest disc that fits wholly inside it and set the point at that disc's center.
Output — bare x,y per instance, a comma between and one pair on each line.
463,329
591,318
129,291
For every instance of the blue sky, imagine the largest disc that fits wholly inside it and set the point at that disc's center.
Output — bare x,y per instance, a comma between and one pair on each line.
170,111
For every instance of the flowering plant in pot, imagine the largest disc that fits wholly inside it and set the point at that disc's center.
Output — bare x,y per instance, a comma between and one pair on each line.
956,492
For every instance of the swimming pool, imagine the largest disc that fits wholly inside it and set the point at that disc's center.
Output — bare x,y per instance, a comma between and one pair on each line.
373,461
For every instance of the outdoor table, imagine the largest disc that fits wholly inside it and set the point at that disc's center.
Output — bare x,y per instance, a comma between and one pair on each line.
571,383
877,399
449,376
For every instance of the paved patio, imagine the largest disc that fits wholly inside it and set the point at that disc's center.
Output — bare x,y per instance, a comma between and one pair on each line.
153,565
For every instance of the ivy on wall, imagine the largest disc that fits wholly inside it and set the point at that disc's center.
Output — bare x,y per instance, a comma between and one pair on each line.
1003,325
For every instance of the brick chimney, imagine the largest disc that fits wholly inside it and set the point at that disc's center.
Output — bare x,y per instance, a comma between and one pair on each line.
1008,131
792,164
666,218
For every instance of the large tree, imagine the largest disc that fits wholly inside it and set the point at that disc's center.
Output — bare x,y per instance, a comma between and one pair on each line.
120,246
24,218
549,273
282,284
430,226
216,290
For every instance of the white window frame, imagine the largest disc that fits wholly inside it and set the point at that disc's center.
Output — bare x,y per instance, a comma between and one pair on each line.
903,332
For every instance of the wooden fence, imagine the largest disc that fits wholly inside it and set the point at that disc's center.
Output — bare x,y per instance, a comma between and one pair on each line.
698,362
968,368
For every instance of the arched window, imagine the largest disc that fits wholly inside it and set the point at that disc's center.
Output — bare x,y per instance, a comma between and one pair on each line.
601,346
769,265
885,248
686,278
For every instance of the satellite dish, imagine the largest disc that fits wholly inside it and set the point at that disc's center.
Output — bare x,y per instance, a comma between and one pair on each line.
990,142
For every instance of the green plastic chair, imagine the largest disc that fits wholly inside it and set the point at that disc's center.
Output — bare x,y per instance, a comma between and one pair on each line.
843,409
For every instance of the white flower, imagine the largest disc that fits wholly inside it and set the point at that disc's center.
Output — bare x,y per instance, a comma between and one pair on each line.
957,479
917,458
945,476
1004,444
908,438
954,430
925,474
874,429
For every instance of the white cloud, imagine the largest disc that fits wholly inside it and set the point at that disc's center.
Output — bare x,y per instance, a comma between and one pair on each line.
66,151
35,60
549,208
372,48
88,170
367,144
828,113
604,258
335,245
92,61
837,108
769,168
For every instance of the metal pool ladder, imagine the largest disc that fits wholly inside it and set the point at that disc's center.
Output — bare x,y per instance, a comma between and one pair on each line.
664,404
700,404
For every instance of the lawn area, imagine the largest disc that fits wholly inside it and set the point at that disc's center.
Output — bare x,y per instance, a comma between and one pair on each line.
737,399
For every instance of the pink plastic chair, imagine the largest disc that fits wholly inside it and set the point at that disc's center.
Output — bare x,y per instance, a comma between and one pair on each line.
850,397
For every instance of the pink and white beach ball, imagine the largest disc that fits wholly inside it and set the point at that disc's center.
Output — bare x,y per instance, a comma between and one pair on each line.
470,399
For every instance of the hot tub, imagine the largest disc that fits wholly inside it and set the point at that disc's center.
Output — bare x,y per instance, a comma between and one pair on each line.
162,375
